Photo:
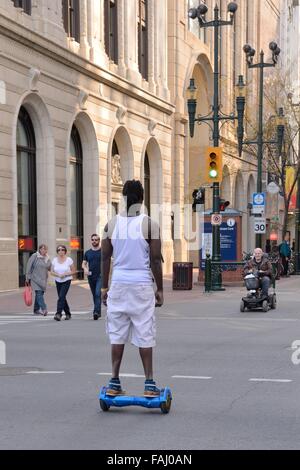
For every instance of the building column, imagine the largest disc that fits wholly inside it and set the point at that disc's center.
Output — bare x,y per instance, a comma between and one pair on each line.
121,38
95,26
84,45
47,18
180,185
131,42
151,49
161,39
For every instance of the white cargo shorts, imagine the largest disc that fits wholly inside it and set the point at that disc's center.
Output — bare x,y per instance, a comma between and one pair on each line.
131,315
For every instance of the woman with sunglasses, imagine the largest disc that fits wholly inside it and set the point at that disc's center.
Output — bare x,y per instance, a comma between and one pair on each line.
63,270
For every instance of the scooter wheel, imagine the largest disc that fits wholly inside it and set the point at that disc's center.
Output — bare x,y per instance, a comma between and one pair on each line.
242,306
274,302
265,306
166,405
103,405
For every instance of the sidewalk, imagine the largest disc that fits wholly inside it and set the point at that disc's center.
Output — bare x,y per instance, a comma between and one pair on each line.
80,298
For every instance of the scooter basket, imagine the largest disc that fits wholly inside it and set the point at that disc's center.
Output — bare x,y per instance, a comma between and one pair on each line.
252,283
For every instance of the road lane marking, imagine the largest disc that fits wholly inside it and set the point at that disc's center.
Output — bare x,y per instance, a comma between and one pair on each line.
271,380
183,318
191,377
45,372
122,375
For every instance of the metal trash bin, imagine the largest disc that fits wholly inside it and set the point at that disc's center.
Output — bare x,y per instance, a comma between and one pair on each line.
182,276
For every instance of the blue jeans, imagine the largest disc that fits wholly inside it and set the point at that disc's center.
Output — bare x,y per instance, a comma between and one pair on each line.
95,286
62,290
39,302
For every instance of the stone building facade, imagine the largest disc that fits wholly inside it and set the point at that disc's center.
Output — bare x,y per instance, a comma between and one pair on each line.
93,92
81,112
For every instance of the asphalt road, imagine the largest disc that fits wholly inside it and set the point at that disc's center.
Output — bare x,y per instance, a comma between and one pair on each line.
233,381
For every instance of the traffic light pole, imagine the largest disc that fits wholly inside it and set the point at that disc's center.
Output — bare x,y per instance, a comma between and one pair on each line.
260,137
216,239
215,117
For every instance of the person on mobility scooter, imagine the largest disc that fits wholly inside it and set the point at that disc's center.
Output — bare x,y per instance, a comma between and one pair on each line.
258,277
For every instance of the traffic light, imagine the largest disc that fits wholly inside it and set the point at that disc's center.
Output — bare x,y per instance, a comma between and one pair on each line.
213,165
198,198
223,205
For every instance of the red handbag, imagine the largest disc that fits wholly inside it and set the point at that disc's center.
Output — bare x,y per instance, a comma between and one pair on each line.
27,295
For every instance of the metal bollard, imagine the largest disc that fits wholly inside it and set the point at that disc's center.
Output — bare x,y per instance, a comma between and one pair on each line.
207,274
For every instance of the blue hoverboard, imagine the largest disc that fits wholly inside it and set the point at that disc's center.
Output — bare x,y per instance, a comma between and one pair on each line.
163,401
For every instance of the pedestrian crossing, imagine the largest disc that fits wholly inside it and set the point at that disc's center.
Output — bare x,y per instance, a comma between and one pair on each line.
22,318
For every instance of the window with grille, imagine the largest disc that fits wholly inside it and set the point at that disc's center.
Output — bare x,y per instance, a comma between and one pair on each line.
111,29
143,37
71,18
25,4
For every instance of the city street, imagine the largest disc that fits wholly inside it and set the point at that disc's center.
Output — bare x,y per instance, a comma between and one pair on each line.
233,381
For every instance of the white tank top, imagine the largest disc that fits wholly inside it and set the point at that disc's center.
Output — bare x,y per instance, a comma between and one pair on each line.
131,252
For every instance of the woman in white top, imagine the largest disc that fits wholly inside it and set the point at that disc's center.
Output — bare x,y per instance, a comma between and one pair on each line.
62,269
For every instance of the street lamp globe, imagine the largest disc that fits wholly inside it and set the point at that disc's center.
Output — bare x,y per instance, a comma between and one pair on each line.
273,46
202,9
241,87
277,51
232,8
247,48
192,13
192,90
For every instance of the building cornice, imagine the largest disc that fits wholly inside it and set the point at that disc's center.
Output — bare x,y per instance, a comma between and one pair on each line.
60,54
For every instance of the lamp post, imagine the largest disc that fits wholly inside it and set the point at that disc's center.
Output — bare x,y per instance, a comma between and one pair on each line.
261,65
297,210
215,117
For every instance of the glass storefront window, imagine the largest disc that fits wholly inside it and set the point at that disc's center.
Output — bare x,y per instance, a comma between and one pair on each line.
26,190
76,197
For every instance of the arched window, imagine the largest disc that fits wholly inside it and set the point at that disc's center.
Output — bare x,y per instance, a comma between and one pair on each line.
143,37
76,199
147,198
24,4
26,182
71,18
111,29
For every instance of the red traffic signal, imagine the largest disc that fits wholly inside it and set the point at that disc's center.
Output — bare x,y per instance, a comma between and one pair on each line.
223,205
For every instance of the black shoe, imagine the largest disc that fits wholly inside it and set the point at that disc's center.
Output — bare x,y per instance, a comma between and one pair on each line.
57,316
96,316
68,316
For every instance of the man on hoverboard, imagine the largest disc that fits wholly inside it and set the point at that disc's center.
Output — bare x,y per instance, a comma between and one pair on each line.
133,240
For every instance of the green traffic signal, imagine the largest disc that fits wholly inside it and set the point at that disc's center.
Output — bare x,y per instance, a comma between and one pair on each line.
213,173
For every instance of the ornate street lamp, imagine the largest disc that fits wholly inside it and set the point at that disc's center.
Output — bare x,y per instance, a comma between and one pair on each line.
261,65
215,117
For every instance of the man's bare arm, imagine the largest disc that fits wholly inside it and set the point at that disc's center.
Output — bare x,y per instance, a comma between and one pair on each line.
156,261
106,253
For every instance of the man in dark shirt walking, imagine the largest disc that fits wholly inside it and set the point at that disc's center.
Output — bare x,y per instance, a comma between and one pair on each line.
92,268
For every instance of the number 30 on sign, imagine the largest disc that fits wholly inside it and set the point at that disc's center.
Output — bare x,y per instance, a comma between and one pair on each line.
260,226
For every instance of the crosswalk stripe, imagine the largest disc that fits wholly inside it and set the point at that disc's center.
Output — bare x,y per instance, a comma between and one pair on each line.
23,318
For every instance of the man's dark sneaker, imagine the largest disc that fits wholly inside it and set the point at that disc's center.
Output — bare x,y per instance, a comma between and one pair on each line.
57,316
114,388
68,316
151,390
36,312
96,315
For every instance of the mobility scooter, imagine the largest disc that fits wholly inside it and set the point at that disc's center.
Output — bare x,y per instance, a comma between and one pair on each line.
255,299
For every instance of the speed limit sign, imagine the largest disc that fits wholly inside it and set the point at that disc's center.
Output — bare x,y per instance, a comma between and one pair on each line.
260,225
